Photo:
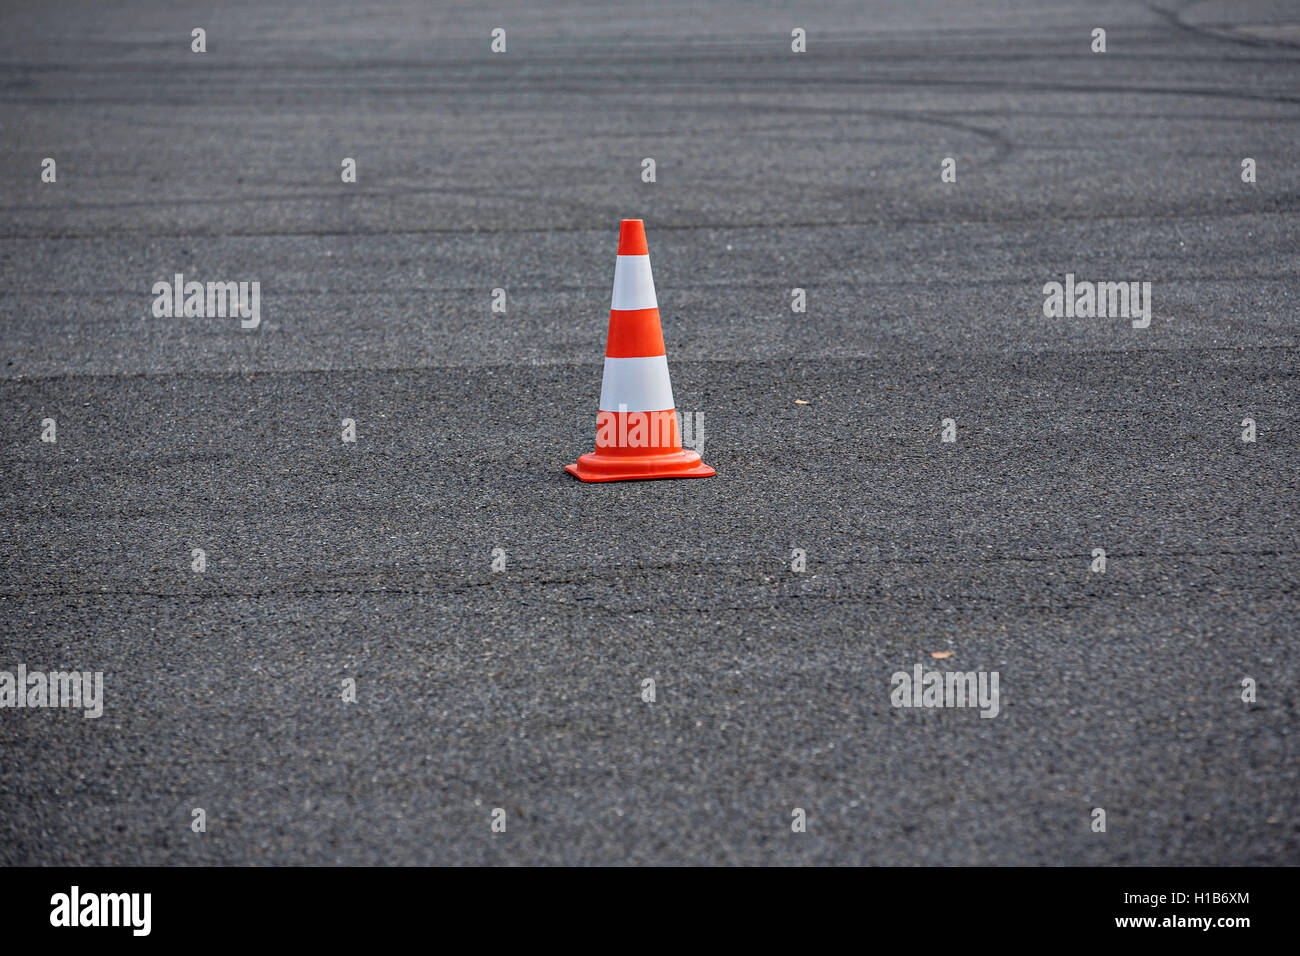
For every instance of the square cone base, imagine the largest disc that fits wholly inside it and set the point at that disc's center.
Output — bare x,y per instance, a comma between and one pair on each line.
675,464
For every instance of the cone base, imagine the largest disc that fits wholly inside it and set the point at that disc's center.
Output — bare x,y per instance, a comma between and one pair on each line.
674,464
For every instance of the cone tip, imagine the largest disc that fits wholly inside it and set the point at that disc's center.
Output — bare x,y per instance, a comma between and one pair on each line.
631,238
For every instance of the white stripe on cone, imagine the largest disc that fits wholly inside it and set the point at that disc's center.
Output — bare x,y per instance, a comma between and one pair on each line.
634,288
636,384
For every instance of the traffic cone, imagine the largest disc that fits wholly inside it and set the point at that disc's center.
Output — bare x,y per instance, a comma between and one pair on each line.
637,433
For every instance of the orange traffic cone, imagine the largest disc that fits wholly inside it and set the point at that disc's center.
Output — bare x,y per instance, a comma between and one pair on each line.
637,434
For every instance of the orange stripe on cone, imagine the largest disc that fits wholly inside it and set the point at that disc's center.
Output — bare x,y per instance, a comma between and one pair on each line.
634,332
631,238
632,434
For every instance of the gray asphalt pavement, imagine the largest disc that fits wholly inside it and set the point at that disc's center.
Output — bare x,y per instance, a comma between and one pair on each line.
522,689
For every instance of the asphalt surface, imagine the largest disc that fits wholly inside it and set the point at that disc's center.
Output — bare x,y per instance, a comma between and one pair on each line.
521,689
